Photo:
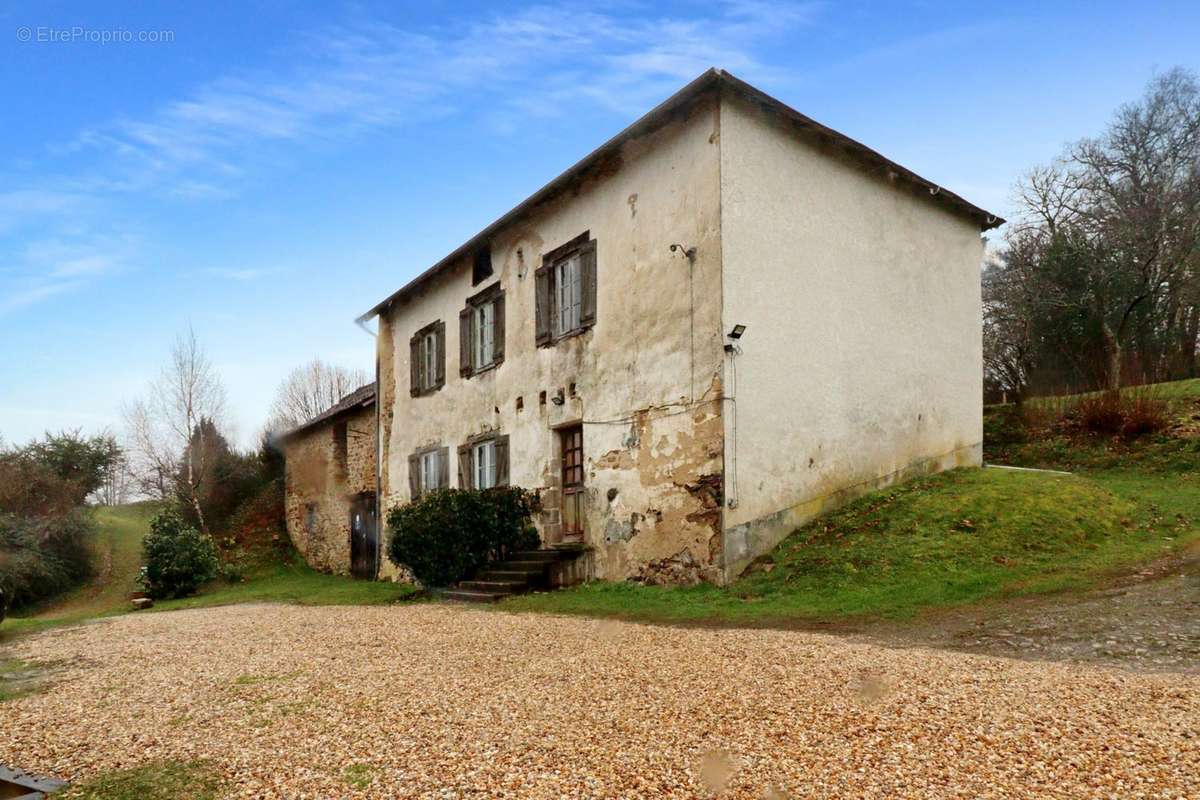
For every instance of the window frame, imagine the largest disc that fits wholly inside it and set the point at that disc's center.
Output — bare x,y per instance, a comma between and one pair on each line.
580,253
471,321
484,467
417,461
572,266
427,354
468,464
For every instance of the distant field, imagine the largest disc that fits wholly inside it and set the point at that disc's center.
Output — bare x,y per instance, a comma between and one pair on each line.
119,556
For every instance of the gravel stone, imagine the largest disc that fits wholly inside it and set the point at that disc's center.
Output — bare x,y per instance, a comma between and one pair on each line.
444,701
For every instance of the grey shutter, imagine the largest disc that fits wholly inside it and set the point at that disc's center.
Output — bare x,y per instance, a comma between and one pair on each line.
440,380
414,366
465,473
414,476
465,350
498,329
587,269
543,295
444,468
502,460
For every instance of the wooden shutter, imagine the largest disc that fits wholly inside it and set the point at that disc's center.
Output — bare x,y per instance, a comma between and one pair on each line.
465,349
414,476
444,468
440,361
498,329
466,473
545,311
587,274
502,460
414,366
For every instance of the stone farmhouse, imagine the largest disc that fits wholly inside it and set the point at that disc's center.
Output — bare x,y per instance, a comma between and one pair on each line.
722,322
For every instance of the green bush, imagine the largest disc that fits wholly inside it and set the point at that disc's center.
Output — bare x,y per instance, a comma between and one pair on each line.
448,534
178,558
42,556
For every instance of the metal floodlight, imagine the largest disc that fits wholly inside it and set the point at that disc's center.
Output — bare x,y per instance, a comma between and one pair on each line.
737,331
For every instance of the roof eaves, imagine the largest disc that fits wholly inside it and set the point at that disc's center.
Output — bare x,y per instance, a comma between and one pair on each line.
712,78
362,397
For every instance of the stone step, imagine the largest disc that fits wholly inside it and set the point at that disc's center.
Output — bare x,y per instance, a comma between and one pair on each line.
538,555
501,572
471,596
538,565
500,587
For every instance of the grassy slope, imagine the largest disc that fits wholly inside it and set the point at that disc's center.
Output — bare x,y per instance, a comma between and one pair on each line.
118,558
956,538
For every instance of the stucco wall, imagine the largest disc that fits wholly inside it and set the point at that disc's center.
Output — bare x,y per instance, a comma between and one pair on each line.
645,375
862,357
313,477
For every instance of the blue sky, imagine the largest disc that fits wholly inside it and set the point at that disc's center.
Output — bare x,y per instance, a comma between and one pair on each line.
265,171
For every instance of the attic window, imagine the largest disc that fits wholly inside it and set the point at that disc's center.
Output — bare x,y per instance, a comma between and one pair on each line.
481,268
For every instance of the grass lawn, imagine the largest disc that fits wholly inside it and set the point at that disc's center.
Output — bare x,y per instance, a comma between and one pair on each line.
160,780
955,538
118,558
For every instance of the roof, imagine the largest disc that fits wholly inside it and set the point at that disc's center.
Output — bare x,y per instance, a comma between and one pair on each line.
362,397
714,80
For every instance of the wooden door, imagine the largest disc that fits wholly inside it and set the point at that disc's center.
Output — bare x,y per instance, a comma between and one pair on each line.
363,536
571,440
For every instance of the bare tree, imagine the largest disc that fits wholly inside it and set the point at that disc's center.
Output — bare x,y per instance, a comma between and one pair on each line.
163,425
1113,231
1142,186
311,390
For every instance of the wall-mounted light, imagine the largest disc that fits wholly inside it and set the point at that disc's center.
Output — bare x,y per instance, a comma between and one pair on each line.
558,398
734,335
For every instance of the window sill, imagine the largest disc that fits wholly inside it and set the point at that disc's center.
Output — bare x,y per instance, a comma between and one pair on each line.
569,335
426,392
483,370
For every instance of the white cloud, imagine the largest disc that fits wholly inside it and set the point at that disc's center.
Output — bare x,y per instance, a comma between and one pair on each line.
373,75
338,82
61,264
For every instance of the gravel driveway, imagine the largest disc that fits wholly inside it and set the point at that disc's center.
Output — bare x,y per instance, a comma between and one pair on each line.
440,701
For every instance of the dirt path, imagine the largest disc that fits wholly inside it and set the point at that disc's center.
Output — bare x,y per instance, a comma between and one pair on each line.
1148,621
118,549
438,701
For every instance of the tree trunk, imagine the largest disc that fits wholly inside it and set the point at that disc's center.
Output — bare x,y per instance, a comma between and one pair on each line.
1112,347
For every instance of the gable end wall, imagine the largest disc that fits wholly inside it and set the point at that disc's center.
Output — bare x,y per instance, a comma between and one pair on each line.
862,359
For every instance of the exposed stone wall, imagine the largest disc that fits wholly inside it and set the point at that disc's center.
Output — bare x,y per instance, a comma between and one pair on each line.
645,377
316,479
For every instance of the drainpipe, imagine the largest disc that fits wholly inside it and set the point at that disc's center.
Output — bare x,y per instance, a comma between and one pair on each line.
378,453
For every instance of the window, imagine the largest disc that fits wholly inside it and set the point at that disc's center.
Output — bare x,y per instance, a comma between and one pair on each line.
428,469
485,318
571,443
568,289
310,518
481,332
484,456
427,359
481,266
483,463
565,290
